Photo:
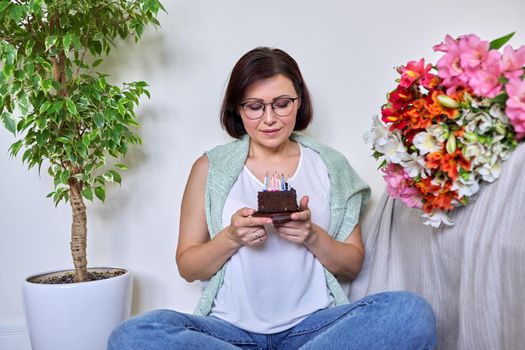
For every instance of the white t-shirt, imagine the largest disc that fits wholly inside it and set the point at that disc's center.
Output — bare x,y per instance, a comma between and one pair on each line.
273,286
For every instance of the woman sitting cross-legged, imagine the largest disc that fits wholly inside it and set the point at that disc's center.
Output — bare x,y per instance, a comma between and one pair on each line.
275,285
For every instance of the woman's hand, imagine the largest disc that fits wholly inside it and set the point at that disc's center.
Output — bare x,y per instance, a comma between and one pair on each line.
247,230
300,229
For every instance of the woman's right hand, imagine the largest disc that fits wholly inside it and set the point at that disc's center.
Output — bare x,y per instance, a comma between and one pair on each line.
246,229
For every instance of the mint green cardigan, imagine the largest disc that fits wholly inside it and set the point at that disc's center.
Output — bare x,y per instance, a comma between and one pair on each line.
348,197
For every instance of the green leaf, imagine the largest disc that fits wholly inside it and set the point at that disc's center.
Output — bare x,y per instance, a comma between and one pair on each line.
47,84
9,122
67,40
4,4
29,69
63,139
121,109
496,44
57,105
29,47
116,176
102,83
51,41
45,106
16,12
87,193
76,41
121,166
97,62
98,37
24,104
501,98
99,120
64,177
15,147
71,107
100,192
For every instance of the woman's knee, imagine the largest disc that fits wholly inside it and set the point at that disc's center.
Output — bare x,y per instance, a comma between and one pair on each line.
414,313
140,327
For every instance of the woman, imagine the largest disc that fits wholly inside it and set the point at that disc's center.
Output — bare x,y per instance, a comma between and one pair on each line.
275,286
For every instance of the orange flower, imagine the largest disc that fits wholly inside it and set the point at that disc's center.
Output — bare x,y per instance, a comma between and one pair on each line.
437,109
426,187
418,114
441,200
448,162
433,160
452,161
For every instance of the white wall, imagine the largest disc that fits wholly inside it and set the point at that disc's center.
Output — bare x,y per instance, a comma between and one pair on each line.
347,52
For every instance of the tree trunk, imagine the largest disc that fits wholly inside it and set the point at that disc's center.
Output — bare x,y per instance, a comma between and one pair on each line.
78,230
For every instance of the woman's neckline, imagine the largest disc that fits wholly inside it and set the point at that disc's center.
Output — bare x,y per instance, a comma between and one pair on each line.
290,178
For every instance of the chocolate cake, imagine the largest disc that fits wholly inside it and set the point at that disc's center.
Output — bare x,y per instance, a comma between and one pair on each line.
274,202
277,199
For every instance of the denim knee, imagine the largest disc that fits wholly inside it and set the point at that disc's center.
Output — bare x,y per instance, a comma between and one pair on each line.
416,314
135,327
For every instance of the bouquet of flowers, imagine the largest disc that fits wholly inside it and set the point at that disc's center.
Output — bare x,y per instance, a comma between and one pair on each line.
446,128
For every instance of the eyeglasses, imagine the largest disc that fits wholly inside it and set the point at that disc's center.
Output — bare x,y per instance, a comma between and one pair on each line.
282,107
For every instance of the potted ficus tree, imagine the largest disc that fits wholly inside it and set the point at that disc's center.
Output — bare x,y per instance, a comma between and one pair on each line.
69,119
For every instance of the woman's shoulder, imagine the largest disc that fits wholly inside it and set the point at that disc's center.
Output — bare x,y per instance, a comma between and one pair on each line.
327,153
227,150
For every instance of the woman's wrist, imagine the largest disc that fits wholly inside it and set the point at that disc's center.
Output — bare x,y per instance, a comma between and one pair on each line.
313,237
229,236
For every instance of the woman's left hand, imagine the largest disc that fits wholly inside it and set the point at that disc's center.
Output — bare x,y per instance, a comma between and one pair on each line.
300,229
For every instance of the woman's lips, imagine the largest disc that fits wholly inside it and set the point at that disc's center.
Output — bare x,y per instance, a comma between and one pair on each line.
270,132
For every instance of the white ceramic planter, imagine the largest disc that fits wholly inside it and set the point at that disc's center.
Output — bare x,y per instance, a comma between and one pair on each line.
76,316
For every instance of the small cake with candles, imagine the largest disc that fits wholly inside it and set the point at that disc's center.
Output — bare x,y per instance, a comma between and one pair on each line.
277,199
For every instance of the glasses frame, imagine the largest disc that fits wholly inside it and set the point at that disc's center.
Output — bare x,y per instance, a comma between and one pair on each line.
293,99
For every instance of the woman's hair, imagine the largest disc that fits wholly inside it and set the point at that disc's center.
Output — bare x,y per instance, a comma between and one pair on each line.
259,64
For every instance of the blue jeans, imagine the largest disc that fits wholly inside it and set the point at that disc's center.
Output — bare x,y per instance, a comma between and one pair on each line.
392,320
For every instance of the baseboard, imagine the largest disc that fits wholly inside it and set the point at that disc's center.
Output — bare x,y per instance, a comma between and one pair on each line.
13,335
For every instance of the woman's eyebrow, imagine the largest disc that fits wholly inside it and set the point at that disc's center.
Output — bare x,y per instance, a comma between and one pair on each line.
261,100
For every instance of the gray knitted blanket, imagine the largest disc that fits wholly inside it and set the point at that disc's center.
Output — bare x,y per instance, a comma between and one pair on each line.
472,273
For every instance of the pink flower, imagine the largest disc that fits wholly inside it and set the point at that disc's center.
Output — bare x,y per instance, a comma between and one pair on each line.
485,80
449,65
411,197
397,186
513,62
516,105
473,51
395,179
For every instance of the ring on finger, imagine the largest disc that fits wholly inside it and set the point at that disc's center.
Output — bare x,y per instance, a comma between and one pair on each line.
257,235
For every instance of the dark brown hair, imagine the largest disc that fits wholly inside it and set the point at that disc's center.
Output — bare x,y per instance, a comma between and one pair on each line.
259,64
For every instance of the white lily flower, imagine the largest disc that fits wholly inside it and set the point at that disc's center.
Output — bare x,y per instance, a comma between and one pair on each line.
497,112
473,150
465,187
394,151
490,172
438,131
378,135
415,166
437,217
426,143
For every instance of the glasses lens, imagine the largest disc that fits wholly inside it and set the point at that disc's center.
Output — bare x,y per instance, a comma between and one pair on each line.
253,110
283,106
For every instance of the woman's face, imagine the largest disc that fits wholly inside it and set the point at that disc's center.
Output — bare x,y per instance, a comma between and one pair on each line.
269,111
